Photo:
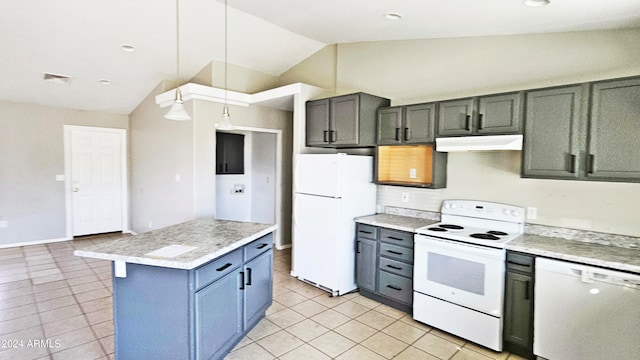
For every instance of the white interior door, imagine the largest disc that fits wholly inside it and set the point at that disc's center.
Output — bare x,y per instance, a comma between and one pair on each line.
97,185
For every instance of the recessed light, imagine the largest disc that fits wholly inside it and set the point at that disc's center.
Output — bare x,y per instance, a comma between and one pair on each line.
128,48
392,16
104,82
536,3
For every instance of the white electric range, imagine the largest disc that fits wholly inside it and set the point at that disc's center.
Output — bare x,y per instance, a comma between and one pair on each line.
459,267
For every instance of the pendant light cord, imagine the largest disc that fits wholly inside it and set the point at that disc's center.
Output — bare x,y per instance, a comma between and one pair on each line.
177,43
225,52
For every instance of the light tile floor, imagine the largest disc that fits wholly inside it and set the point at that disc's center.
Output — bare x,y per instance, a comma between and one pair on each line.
54,305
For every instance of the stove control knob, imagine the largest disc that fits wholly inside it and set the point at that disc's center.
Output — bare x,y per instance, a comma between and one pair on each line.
453,206
506,211
514,213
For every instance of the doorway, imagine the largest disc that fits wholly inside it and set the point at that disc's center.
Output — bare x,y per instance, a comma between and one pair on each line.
95,180
256,194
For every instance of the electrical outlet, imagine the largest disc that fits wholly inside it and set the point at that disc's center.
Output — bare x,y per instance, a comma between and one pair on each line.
150,224
532,213
405,197
4,224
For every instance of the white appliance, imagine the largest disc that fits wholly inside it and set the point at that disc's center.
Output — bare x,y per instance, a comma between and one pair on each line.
587,313
458,273
330,190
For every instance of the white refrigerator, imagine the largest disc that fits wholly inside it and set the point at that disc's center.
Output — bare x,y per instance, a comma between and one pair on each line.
330,191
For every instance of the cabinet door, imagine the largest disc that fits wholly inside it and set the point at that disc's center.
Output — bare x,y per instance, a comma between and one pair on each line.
218,316
258,287
344,120
229,153
500,114
389,126
551,137
366,256
455,117
518,309
614,131
419,124
317,122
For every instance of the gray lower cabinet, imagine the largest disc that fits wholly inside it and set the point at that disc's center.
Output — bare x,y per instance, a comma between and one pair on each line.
585,132
167,313
384,265
413,124
343,121
518,305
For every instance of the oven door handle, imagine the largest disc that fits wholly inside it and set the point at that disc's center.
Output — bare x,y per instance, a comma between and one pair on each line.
457,247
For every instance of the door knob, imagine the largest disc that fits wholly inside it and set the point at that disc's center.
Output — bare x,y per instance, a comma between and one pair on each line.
75,189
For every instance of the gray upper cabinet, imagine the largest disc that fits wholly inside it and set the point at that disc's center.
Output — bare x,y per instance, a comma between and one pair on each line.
455,117
343,121
485,115
587,132
552,133
414,124
500,114
614,128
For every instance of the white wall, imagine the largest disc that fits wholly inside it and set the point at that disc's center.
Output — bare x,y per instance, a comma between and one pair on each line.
416,71
263,182
32,202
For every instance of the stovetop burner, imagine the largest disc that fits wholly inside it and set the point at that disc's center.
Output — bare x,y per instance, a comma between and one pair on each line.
484,236
437,229
497,233
451,226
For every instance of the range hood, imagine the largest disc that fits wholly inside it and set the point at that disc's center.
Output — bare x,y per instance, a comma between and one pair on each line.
479,143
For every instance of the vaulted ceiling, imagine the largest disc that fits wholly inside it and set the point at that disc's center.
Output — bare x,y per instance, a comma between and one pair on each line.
83,38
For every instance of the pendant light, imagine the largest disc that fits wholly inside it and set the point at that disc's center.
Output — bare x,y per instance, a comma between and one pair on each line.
177,111
226,123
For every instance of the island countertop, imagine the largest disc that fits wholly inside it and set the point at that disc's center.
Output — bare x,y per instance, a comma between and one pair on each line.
209,239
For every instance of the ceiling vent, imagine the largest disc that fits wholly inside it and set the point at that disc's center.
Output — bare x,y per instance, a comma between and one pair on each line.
55,78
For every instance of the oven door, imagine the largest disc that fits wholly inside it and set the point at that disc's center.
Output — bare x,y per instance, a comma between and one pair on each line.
464,274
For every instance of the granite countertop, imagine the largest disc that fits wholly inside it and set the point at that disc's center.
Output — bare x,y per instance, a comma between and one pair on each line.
398,222
613,257
210,238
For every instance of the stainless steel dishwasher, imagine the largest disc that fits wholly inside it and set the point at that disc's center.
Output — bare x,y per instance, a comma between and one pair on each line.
584,312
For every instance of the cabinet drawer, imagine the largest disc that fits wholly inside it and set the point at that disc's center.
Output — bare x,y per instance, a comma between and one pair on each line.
396,252
520,262
367,231
257,247
216,269
396,267
396,237
396,287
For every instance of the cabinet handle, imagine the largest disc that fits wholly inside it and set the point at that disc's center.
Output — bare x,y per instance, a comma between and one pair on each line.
220,167
394,267
517,263
226,167
223,267
407,134
572,166
467,122
248,276
358,247
394,288
527,284
366,232
397,134
262,246
332,135
480,121
241,280
394,252
324,136
394,238
592,159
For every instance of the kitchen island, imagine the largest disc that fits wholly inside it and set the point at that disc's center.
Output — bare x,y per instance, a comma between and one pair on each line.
188,291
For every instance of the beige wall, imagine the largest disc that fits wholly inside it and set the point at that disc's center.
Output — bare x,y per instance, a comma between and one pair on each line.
426,70
31,155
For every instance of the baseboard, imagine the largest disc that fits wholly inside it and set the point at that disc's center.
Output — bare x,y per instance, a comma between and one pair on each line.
37,242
